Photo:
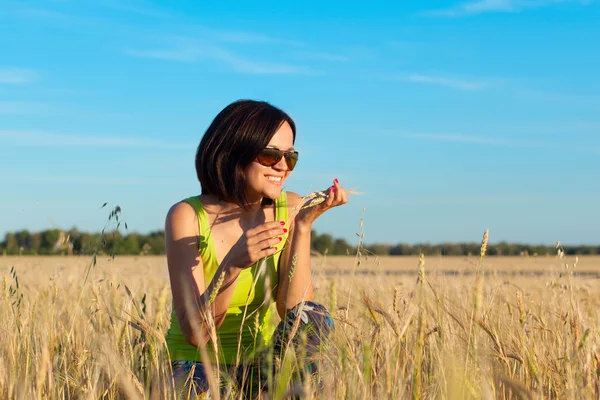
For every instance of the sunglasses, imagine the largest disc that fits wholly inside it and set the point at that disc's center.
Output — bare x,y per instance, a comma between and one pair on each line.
270,156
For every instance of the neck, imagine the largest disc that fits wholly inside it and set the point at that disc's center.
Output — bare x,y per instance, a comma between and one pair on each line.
225,208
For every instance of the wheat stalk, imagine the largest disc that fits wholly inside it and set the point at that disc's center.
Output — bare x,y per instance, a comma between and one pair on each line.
216,288
318,197
417,372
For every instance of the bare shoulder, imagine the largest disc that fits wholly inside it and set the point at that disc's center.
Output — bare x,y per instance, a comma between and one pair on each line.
181,219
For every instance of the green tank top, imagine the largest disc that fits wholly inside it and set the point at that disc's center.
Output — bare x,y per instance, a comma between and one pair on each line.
261,312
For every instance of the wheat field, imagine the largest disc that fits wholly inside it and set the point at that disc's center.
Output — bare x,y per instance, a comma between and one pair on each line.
437,327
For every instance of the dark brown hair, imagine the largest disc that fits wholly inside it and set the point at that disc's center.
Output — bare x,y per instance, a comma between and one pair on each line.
232,141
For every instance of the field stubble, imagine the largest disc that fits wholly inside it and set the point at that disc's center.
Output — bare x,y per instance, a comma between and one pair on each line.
505,327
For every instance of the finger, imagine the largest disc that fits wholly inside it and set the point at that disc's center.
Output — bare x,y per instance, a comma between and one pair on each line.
267,243
275,232
265,227
330,197
344,197
339,191
266,253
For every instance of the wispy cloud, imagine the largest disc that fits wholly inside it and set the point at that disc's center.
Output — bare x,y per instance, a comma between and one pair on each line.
188,50
403,44
84,180
23,108
134,9
46,14
178,54
567,98
244,37
461,138
321,56
28,138
451,82
538,143
486,6
59,19
56,110
17,75
491,198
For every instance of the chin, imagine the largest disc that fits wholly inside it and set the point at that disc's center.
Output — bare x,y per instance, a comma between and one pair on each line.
272,194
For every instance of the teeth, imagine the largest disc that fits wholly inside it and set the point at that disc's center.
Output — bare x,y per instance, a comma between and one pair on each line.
274,178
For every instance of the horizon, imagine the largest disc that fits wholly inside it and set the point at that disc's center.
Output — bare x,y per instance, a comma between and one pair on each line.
450,117
125,232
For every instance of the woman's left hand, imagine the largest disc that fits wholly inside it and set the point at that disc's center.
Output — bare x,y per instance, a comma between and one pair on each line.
336,196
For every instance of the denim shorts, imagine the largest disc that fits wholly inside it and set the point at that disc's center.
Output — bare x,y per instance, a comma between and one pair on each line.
308,324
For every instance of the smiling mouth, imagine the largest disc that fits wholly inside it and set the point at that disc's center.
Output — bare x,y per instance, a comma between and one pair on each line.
275,179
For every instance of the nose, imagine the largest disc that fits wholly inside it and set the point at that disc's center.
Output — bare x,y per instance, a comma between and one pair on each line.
281,165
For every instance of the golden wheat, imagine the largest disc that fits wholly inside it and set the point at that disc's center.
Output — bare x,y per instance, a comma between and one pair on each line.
536,329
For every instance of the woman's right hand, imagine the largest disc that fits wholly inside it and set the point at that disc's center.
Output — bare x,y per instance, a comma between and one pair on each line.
255,244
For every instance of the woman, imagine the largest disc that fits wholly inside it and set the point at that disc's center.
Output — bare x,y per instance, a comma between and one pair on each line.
239,255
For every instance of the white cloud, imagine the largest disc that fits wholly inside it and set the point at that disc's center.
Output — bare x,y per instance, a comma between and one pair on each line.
537,143
461,138
486,6
181,54
567,98
133,9
27,138
17,75
57,18
84,179
54,110
193,51
22,108
492,198
321,56
242,37
455,83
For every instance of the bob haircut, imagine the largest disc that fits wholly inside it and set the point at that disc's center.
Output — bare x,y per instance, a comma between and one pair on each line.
232,141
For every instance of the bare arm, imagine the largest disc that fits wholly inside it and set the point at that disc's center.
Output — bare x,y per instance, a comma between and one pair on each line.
197,304
295,282
190,295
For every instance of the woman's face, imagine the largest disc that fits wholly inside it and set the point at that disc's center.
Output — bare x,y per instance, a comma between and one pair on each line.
262,181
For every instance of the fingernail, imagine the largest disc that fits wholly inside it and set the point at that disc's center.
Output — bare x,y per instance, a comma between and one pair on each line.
332,189
336,180
280,239
281,223
284,230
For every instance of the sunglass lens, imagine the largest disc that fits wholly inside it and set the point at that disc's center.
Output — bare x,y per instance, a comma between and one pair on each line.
291,159
269,157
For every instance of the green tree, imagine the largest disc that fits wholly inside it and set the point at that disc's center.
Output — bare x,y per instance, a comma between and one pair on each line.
12,246
132,244
49,241
341,248
379,249
401,249
35,243
321,243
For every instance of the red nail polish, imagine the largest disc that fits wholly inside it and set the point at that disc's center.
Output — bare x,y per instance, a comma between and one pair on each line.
280,239
284,230
336,180
332,189
281,223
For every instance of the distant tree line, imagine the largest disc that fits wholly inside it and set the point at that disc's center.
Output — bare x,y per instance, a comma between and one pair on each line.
56,241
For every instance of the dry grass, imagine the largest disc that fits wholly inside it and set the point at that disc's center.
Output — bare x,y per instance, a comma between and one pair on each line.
527,328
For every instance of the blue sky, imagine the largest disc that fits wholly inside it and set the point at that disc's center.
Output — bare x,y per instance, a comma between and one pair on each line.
449,117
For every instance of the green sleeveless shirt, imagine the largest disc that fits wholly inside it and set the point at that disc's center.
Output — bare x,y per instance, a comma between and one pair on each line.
261,306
